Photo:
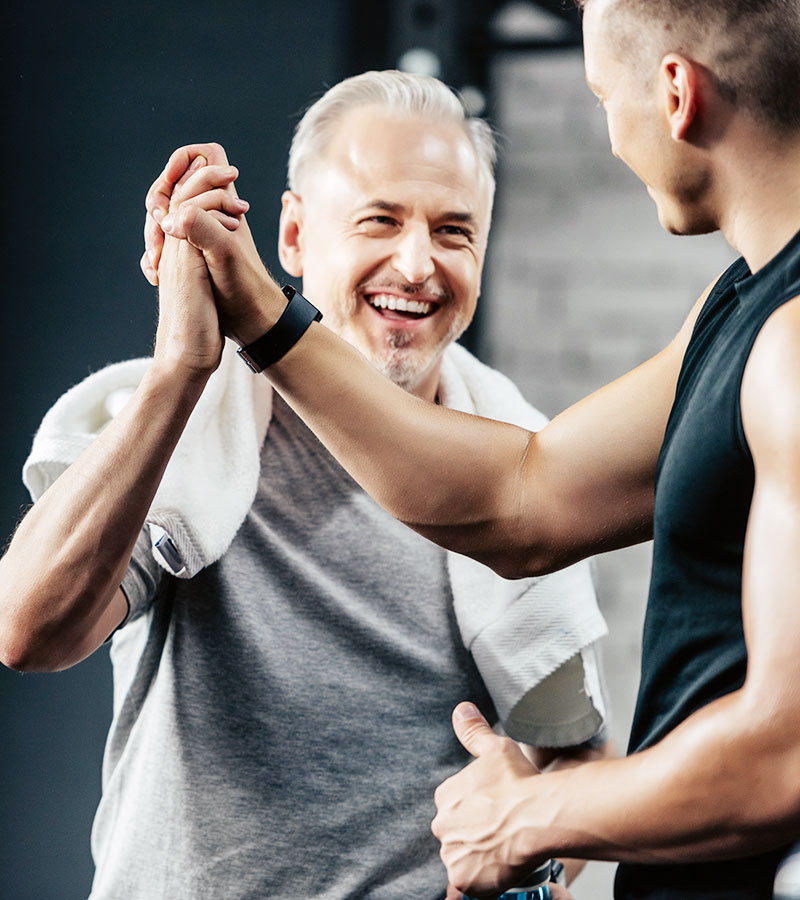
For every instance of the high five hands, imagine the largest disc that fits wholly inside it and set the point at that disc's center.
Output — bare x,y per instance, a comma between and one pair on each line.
194,202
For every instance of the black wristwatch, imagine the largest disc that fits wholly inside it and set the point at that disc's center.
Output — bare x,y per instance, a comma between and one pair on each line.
284,334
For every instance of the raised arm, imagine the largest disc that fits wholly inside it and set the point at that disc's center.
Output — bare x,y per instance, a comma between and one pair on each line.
60,595
521,503
722,784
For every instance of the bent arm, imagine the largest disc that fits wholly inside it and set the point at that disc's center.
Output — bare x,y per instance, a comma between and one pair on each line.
60,578
724,783
683,798
523,504
60,595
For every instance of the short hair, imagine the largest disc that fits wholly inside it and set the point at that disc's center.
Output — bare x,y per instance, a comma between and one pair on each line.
398,93
750,47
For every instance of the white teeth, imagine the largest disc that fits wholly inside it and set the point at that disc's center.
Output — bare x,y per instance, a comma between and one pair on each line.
403,304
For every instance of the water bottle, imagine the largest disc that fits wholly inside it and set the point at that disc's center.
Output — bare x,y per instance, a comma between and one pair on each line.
535,887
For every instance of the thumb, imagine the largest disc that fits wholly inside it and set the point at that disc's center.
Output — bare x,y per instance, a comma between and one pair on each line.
472,729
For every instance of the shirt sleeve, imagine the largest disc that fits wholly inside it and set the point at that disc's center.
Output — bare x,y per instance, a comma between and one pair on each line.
142,580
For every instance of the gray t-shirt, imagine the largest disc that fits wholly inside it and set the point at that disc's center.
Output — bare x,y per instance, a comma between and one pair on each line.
283,718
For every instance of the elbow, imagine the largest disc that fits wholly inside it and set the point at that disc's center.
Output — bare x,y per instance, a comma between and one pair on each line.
25,648
526,562
23,653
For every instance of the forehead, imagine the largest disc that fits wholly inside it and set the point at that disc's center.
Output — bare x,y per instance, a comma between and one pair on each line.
399,158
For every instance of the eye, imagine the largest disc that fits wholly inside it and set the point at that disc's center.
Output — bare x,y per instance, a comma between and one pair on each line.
381,220
455,231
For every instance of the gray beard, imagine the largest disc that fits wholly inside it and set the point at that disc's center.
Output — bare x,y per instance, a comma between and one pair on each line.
404,365
398,360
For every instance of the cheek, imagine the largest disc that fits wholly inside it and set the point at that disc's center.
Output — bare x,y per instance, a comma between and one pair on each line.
464,276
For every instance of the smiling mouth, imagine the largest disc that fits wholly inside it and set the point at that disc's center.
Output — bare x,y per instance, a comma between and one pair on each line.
394,306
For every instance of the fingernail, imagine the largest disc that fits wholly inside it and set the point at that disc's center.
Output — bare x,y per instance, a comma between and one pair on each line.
468,711
158,214
150,274
168,222
197,163
151,255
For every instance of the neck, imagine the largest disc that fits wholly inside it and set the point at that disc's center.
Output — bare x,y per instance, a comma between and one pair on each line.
759,191
428,387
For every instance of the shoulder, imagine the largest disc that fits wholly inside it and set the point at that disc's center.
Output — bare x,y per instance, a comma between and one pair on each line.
771,384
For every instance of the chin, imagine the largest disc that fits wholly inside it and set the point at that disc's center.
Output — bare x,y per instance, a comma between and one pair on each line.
405,373
686,221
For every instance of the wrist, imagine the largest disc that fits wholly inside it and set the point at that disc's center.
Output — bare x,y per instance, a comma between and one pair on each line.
178,375
265,307
540,828
275,343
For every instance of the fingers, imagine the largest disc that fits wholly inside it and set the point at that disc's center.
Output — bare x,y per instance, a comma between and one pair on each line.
222,201
200,177
204,229
182,158
183,161
191,172
203,180
473,730
181,165
153,245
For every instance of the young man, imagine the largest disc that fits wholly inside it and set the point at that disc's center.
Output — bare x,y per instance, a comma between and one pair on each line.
281,715
697,447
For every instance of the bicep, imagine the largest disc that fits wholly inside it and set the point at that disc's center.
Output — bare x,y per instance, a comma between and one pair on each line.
599,459
771,574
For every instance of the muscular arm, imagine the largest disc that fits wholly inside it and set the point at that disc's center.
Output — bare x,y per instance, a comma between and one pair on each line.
523,504
724,783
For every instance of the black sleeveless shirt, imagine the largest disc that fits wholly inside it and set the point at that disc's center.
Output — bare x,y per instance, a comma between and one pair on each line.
693,647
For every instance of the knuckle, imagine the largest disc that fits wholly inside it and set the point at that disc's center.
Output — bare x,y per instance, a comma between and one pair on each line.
506,746
217,150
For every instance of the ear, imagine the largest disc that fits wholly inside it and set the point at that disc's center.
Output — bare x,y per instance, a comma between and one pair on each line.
680,84
290,234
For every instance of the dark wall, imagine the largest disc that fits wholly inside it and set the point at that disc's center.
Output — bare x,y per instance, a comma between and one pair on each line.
97,95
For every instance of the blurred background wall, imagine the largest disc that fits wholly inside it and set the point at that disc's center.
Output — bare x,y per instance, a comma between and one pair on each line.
581,283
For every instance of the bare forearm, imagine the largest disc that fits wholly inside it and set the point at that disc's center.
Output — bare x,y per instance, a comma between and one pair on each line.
721,785
69,554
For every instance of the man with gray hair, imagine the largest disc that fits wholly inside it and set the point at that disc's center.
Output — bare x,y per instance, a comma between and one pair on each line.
285,654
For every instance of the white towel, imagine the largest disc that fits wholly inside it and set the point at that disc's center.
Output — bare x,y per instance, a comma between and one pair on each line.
522,631
519,632
212,476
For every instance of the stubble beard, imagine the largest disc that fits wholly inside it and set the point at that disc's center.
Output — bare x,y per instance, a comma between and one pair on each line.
399,359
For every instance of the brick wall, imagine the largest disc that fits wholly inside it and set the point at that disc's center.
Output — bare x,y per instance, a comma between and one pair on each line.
582,285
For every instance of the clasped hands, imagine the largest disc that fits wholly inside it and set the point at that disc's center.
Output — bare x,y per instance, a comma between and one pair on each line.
200,252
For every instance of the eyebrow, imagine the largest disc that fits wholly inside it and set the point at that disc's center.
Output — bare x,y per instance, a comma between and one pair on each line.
465,218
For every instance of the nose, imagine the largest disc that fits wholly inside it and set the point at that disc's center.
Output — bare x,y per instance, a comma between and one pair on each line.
413,255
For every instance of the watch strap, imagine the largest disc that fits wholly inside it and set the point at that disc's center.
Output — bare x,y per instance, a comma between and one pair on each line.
284,334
